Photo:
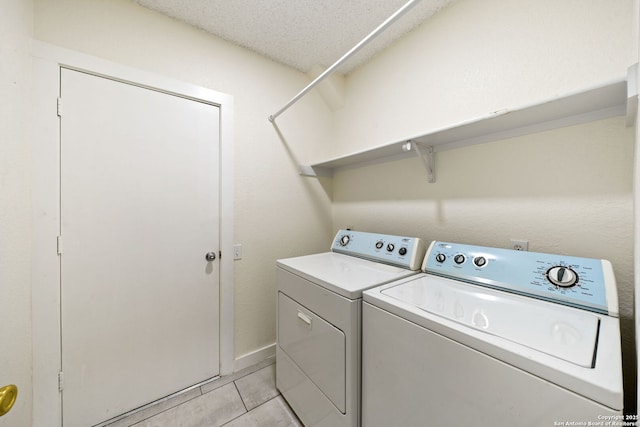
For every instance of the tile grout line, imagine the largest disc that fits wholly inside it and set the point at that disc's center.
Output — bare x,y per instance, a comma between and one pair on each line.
290,412
139,411
241,398
222,381
201,390
246,411
168,408
196,397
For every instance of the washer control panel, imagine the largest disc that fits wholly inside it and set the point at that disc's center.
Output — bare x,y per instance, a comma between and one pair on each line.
579,282
406,252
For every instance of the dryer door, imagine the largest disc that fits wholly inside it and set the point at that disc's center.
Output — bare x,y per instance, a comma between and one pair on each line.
316,346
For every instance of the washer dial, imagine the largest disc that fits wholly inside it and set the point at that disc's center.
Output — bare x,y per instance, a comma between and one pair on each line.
344,240
480,261
562,276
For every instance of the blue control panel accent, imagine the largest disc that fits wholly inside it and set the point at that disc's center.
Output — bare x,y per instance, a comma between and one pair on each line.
406,252
578,282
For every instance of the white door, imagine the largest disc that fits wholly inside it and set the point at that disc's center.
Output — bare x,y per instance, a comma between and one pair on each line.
139,211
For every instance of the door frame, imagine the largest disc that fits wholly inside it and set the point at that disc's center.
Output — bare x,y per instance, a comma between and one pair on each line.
45,199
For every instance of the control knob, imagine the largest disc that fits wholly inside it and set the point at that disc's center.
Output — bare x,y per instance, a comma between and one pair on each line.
390,247
379,244
459,259
402,251
441,258
480,261
344,240
562,276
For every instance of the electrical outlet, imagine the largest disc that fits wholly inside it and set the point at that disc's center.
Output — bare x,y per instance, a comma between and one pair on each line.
237,251
519,245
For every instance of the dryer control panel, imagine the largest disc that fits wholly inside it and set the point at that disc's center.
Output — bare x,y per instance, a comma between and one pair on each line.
579,282
406,252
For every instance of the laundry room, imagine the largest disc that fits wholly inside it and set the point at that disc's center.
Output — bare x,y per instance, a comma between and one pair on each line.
355,152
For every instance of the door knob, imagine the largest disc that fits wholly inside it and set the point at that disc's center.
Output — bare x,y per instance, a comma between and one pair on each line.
8,396
210,256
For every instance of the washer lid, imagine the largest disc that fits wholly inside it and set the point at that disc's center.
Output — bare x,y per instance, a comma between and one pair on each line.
343,274
564,333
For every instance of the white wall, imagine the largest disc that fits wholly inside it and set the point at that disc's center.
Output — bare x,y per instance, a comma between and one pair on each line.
567,191
15,287
476,57
274,206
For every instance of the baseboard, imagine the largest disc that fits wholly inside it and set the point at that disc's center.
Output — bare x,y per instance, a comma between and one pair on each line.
254,357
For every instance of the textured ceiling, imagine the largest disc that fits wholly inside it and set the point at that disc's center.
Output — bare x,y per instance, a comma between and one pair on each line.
300,33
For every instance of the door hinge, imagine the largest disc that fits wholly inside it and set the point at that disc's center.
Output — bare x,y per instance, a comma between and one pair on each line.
60,107
60,381
59,245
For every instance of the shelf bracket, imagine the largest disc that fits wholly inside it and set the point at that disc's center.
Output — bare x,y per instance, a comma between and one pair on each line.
429,163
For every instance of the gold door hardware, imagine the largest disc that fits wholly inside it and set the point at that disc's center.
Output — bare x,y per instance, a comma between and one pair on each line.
8,396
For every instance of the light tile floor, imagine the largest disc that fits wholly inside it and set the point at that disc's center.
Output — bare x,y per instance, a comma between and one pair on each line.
248,398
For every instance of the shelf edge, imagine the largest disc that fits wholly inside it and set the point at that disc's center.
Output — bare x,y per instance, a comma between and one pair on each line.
607,100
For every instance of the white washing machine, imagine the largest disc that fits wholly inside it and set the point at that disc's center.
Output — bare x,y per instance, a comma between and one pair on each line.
319,314
493,337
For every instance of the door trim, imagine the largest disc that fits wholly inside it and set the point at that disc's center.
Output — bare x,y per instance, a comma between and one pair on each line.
45,199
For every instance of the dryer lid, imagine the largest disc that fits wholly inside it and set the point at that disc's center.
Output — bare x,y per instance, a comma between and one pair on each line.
559,331
343,274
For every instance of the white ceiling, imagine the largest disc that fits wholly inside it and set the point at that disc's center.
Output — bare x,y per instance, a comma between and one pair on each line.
300,33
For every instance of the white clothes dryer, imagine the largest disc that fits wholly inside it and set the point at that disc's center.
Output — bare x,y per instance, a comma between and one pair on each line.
493,337
318,351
